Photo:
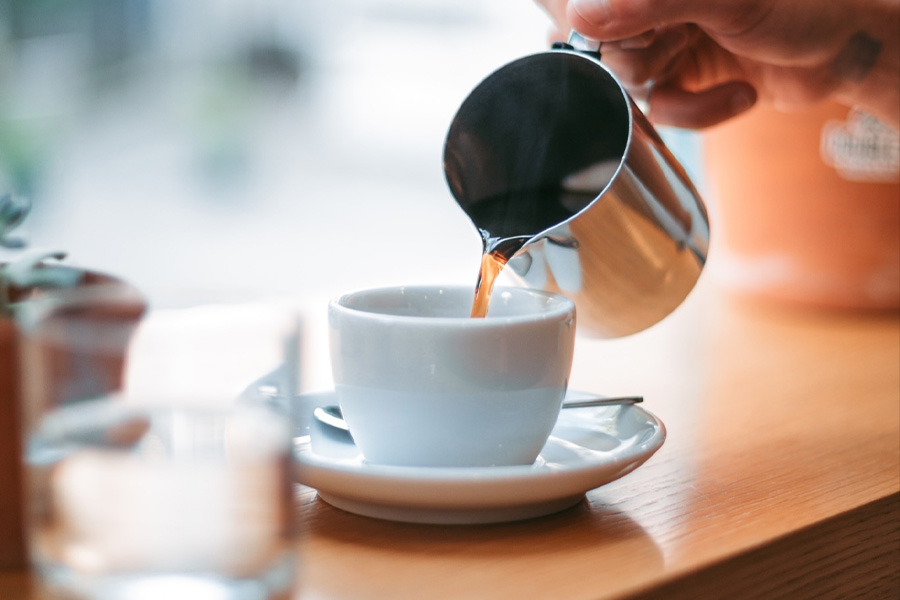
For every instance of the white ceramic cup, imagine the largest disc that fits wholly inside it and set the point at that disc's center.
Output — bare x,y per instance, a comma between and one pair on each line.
421,383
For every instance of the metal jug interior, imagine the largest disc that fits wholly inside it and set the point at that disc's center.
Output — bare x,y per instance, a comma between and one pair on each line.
551,148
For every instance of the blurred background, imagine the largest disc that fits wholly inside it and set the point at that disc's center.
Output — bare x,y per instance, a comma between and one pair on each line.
226,148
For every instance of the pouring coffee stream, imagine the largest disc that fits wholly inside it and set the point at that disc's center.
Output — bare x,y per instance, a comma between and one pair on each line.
495,253
569,184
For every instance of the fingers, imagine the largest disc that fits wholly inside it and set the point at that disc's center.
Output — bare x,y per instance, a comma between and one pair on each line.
555,34
620,19
670,105
640,59
556,10
647,41
559,28
638,42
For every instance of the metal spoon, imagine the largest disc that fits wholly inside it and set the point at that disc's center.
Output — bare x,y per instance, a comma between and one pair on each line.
331,415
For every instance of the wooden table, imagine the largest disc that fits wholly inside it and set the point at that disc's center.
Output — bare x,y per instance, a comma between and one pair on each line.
780,478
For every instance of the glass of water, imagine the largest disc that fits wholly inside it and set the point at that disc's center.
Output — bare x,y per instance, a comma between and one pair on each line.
157,450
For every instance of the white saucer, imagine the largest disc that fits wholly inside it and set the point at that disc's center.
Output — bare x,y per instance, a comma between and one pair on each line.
589,447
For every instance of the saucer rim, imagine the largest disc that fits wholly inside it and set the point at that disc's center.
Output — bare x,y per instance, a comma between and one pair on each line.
464,495
356,466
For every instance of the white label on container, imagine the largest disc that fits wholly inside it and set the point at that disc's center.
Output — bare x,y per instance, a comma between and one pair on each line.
862,148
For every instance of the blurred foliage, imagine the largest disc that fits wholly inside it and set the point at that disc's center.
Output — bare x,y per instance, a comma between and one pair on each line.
29,270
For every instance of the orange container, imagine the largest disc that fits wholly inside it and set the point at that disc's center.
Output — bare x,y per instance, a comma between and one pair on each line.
806,207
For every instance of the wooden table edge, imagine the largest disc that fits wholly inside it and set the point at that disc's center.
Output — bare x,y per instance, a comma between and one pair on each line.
853,554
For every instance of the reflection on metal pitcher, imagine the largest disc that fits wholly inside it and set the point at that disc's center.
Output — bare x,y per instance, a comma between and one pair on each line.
550,149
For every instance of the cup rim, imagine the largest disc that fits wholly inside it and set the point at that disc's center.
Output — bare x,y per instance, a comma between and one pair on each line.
563,306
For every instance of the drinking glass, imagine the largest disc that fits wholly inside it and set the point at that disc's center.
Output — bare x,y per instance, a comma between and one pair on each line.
157,449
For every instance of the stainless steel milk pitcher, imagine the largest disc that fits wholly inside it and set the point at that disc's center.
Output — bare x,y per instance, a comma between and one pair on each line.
552,148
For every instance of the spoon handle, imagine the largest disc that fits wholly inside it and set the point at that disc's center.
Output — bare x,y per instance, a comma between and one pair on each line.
600,401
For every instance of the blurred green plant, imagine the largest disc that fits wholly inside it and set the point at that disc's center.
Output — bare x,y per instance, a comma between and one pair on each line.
30,271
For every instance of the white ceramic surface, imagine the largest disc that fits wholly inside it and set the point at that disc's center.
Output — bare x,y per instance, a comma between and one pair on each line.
421,383
588,448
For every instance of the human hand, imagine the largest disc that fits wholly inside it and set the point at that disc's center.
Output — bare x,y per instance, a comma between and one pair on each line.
709,60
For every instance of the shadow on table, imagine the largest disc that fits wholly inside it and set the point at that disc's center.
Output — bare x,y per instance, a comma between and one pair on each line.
446,556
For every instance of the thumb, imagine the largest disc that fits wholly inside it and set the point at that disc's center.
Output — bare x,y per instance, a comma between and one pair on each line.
608,20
